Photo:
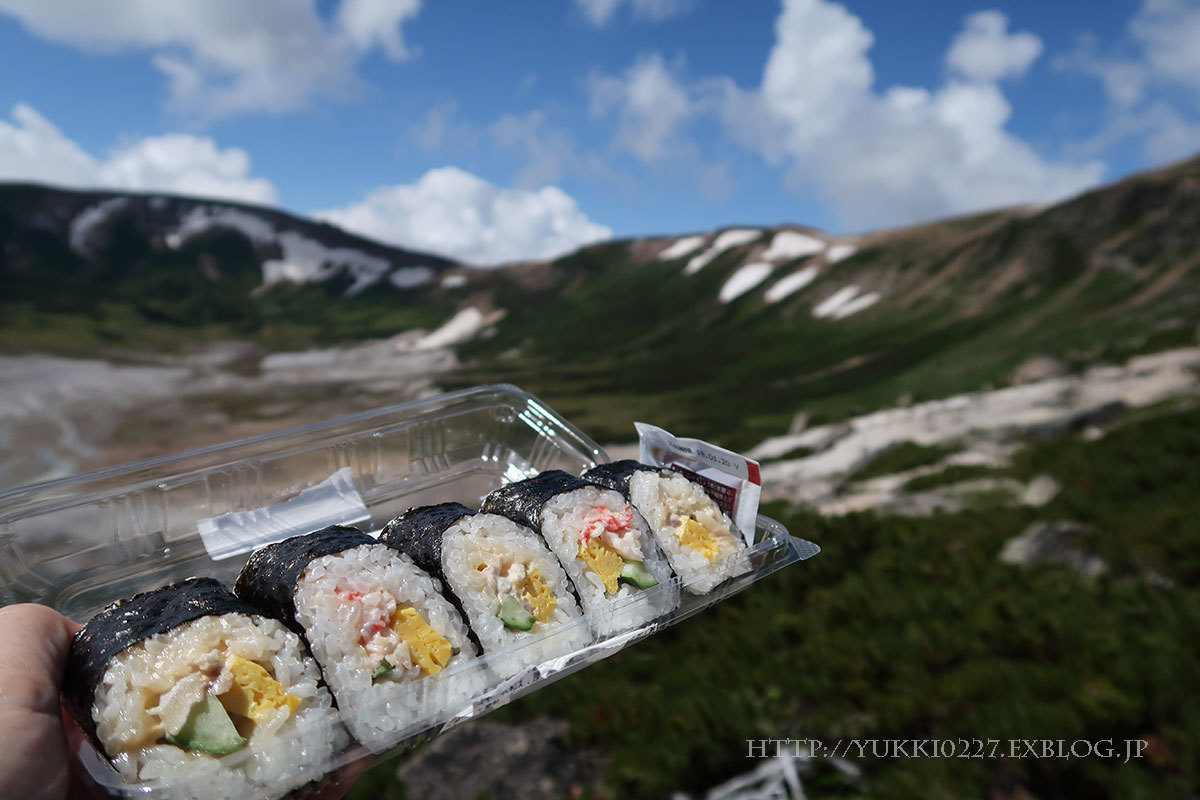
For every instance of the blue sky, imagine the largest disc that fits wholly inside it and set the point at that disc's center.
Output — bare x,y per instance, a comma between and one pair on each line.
497,131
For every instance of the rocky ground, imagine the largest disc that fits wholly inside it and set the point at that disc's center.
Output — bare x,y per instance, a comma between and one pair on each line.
817,466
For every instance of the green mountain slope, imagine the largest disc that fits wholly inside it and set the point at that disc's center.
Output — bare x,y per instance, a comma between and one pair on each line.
612,332
607,335
82,271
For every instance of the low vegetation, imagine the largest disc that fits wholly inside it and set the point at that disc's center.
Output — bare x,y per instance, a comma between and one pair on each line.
901,458
911,628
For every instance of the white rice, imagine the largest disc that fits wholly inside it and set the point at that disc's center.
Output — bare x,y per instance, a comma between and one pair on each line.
280,756
378,711
563,517
658,496
472,542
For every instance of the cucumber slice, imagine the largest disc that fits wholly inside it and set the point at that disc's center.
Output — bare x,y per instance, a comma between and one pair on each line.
513,614
208,729
383,669
635,572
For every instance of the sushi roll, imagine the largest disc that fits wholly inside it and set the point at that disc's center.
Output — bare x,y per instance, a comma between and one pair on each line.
506,581
700,540
192,687
620,572
375,622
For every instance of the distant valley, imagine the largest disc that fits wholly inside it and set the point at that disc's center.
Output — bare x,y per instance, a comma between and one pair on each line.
738,335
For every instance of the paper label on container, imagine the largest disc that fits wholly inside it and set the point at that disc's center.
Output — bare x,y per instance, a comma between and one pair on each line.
732,480
333,501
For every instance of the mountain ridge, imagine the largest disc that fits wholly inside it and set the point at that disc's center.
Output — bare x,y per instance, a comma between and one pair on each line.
724,333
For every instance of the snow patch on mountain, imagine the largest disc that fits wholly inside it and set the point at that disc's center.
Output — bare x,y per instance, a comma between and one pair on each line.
856,305
681,248
304,260
410,277
91,218
735,238
745,279
839,251
201,218
454,281
726,240
792,244
699,262
844,302
461,326
790,284
830,305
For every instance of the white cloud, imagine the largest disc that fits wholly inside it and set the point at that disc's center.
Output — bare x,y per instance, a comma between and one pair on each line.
457,214
600,12
1164,35
1124,81
222,57
1160,57
368,23
900,155
443,127
33,149
1165,134
185,164
986,51
548,151
651,105
715,180
1168,32
818,70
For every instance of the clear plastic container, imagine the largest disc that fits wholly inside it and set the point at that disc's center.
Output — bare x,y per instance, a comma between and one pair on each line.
80,543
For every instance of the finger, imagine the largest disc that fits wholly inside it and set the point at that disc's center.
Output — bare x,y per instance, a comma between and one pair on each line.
34,643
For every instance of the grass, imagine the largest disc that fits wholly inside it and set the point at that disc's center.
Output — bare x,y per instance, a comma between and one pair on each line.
900,458
911,628
902,627
954,473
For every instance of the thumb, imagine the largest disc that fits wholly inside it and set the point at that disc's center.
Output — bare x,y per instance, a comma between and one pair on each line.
34,643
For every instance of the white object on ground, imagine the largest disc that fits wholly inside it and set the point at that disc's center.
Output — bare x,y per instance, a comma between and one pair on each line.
744,280
845,445
790,284
461,326
408,277
201,218
304,260
838,252
724,241
681,248
856,305
830,305
91,218
792,244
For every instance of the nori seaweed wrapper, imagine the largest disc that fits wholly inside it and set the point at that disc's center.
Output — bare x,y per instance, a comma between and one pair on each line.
268,581
127,622
616,474
522,501
418,532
